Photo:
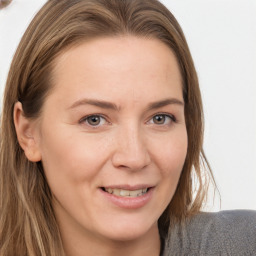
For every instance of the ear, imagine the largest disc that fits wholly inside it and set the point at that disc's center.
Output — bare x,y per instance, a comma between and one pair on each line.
27,134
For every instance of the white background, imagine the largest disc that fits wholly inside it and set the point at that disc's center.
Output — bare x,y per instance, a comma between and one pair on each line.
222,38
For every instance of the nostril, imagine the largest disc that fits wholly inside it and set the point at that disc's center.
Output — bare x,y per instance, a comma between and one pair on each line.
131,160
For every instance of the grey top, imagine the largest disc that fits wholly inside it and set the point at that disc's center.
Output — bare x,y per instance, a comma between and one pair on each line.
226,233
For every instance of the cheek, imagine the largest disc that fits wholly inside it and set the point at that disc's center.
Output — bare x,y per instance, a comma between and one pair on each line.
172,155
73,159
170,159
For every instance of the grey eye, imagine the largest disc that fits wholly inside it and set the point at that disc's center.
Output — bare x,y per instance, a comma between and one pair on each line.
162,119
159,119
94,120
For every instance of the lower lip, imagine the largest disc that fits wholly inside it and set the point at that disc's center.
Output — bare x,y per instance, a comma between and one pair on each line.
129,202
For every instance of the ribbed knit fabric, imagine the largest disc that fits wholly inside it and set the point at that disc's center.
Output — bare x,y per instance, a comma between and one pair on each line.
226,233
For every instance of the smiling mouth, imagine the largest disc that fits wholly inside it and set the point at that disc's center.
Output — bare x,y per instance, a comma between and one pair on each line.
126,193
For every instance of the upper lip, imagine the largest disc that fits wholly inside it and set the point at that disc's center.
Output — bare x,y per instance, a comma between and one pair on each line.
129,187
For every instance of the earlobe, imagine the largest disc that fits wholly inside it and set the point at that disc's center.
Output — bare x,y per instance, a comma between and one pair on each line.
26,134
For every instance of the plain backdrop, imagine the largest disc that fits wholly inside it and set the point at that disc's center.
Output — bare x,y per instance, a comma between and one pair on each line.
222,39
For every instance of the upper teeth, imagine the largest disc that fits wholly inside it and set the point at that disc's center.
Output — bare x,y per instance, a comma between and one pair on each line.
126,193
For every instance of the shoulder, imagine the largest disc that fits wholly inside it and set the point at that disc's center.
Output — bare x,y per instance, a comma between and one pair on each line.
222,233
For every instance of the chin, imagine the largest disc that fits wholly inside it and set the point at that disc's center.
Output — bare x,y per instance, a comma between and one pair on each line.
127,230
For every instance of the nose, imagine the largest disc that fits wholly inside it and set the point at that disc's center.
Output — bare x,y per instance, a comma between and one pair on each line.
131,151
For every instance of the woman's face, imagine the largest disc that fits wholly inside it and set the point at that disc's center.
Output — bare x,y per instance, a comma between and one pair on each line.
112,136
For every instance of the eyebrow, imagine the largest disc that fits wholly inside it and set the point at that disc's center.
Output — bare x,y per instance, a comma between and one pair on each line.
162,103
112,106
97,103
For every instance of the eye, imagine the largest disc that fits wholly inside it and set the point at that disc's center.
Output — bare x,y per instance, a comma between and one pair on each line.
162,119
94,120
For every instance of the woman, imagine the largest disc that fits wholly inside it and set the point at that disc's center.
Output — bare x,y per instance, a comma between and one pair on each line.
101,139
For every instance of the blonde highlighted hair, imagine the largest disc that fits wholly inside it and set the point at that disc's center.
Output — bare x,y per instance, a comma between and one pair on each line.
27,221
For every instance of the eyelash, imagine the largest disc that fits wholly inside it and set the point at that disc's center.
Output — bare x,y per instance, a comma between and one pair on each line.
165,115
101,117
85,120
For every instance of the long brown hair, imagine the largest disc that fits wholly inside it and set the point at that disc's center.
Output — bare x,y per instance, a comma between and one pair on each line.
27,221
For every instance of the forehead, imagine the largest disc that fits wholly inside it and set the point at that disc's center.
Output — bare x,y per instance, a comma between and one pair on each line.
118,63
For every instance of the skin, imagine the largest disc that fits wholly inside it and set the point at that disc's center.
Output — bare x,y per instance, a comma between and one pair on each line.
131,144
